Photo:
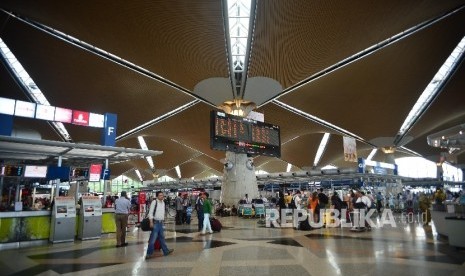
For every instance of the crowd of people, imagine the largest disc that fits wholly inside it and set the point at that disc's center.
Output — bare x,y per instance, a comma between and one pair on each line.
312,201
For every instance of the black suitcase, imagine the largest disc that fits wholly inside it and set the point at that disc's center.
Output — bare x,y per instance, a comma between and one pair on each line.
215,224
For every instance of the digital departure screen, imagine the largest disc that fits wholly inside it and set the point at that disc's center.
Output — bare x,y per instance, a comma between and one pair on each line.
243,135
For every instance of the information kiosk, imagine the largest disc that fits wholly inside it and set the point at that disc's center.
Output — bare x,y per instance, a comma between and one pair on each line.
63,226
90,218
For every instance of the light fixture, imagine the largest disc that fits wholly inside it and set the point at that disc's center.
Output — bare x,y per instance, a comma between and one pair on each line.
139,175
388,149
321,149
143,146
238,107
178,171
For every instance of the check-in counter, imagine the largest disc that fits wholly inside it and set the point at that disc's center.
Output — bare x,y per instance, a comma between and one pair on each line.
455,226
439,214
32,228
24,228
108,220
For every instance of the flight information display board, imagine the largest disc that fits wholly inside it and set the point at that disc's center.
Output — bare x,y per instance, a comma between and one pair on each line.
243,135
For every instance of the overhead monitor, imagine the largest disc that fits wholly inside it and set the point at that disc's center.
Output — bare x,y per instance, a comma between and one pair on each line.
80,173
55,172
243,135
33,171
12,170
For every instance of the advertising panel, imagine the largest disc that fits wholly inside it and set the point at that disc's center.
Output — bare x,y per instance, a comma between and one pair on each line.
7,106
80,118
96,120
63,115
95,171
45,112
25,109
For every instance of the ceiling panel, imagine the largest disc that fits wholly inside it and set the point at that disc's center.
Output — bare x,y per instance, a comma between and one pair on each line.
296,39
372,96
156,35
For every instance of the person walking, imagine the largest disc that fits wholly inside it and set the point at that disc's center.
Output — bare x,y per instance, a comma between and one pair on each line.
122,209
179,209
207,210
199,209
157,217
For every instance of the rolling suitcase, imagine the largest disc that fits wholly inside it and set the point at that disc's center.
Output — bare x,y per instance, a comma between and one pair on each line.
216,225
157,245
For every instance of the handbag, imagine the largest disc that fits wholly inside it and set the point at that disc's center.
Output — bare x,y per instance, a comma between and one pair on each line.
145,223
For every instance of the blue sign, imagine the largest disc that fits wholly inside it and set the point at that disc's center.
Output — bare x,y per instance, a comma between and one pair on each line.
109,130
379,170
361,165
6,124
106,174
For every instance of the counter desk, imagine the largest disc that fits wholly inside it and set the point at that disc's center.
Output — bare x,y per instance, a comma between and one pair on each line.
30,228
24,228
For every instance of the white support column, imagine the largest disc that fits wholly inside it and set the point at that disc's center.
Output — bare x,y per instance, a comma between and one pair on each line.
238,180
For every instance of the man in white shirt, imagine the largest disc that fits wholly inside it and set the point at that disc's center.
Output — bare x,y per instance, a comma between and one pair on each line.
298,200
157,217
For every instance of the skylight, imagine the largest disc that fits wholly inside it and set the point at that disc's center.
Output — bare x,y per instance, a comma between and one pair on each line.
239,18
321,149
30,86
434,87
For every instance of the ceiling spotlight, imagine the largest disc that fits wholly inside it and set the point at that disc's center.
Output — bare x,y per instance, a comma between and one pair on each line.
388,149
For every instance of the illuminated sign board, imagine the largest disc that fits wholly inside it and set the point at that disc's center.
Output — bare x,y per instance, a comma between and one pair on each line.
25,109
45,112
63,115
80,118
96,120
7,106
243,135
35,171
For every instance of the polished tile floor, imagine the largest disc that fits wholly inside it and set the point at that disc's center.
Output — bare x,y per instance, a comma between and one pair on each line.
246,247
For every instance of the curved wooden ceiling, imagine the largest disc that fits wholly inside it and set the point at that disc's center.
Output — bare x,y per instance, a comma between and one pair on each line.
181,43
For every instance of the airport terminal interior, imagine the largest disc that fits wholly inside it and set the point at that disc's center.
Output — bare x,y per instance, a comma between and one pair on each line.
262,104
